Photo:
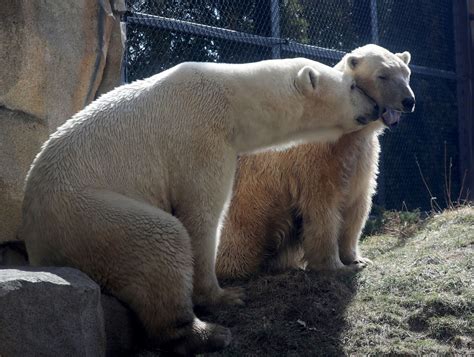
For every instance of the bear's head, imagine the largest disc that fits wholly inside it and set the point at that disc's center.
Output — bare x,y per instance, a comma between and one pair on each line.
384,76
335,96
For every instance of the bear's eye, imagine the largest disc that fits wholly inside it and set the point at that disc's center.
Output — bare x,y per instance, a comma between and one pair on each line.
353,86
384,78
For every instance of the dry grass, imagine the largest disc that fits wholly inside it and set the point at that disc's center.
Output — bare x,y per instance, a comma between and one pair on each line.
401,224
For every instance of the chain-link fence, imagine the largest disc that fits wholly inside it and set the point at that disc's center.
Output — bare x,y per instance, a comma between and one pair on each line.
163,33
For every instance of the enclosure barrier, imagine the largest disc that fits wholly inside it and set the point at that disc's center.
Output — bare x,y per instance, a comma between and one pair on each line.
427,144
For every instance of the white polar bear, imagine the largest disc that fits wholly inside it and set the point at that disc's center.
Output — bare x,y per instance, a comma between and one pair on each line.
306,206
130,190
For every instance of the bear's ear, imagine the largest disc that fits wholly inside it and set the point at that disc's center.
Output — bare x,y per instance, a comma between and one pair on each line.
307,80
405,56
352,61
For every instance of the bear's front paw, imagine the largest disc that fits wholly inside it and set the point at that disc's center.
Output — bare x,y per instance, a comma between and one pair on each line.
360,263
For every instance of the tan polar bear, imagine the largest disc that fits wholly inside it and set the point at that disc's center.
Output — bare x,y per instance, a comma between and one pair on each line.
306,206
130,190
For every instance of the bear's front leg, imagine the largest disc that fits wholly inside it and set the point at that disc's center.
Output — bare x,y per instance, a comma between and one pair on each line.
354,218
320,240
207,291
200,212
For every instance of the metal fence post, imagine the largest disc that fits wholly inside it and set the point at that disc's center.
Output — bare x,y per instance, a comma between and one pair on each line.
124,64
275,21
374,22
374,30
465,83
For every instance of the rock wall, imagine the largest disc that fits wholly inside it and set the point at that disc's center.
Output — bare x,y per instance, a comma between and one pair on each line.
55,58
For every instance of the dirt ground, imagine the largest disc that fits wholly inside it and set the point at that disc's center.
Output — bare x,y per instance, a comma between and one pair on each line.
295,314
417,298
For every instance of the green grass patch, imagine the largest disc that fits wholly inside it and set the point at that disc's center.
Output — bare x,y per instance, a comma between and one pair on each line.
420,291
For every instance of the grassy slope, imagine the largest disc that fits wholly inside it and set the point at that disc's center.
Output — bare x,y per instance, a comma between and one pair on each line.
417,298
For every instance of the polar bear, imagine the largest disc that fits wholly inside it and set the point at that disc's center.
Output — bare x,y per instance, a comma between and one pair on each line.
306,206
130,190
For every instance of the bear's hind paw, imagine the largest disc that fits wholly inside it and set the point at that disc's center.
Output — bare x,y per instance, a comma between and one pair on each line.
202,337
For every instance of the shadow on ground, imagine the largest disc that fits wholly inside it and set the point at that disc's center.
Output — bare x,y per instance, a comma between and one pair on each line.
296,313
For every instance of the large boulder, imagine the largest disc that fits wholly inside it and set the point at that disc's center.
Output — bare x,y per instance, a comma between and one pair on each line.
53,312
61,312
55,58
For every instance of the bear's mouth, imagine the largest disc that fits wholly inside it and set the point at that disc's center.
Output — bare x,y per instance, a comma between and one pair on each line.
391,117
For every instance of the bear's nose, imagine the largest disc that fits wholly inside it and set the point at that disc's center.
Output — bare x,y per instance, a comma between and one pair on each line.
408,104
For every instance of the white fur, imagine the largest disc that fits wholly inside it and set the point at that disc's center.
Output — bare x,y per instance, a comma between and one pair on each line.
130,190
307,205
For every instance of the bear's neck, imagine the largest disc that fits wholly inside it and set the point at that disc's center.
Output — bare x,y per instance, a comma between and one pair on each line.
265,112
258,127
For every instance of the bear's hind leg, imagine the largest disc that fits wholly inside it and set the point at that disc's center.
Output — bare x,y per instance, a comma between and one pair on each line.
240,252
143,256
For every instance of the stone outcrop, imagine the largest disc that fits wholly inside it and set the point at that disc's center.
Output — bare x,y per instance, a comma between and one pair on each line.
54,312
61,312
55,57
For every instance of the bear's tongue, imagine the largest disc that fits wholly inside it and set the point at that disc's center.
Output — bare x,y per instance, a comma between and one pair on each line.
391,117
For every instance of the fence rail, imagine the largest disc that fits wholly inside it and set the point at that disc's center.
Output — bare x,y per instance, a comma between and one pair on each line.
278,43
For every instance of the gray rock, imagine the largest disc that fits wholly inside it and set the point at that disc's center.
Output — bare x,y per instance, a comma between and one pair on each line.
50,312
